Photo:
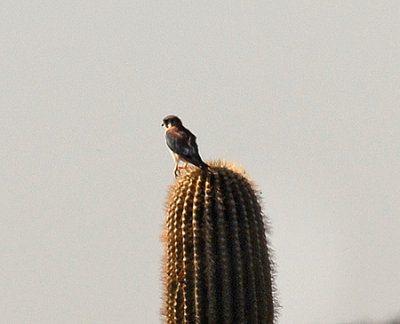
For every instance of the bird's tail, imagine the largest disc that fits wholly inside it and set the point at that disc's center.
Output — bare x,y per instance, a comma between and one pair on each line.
197,161
204,166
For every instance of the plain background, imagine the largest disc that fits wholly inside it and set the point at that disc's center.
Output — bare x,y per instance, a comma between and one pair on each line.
305,95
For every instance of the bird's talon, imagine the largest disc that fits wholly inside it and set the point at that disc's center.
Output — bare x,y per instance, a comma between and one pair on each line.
177,172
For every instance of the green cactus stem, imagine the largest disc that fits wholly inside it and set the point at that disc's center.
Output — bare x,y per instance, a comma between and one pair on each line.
217,265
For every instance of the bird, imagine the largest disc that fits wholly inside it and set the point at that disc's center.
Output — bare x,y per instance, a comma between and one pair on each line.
182,144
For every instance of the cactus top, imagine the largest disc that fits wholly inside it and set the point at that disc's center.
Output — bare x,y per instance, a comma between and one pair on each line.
217,266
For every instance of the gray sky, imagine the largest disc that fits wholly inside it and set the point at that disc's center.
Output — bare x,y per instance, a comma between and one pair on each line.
304,95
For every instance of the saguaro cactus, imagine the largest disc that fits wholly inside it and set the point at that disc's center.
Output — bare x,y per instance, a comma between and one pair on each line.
217,266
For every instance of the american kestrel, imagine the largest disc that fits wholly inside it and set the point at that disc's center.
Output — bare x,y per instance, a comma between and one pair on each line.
182,144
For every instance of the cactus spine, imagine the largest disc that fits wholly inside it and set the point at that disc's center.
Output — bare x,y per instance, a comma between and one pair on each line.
217,264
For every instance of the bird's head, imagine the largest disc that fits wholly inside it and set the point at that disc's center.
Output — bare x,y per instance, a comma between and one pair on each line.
170,121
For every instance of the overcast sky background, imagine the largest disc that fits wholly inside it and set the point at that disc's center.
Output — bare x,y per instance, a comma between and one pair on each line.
305,95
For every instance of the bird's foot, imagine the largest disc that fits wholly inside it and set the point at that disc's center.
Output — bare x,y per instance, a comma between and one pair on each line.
178,169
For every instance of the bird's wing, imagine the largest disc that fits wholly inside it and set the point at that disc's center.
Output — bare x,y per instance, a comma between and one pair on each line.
182,143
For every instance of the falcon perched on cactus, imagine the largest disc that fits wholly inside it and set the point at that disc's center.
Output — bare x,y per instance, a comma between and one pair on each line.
182,144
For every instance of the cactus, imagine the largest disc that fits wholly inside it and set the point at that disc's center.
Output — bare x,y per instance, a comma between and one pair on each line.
217,267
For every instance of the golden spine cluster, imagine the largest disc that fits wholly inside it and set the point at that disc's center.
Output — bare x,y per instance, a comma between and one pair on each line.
217,264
